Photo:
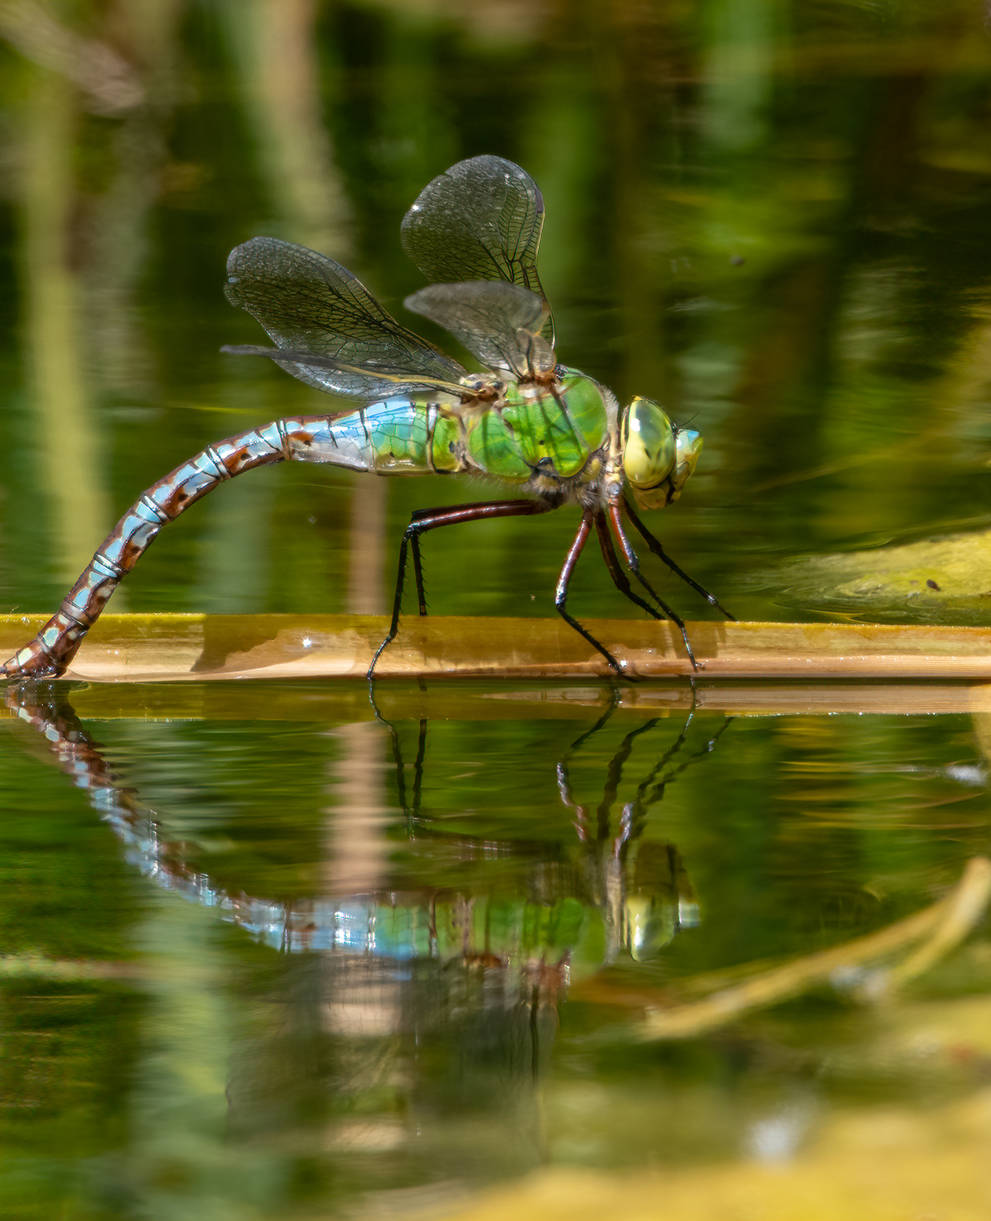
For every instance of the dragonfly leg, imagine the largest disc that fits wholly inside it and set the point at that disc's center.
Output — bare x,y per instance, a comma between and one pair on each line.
561,593
431,519
421,596
652,789
619,578
410,805
657,549
633,561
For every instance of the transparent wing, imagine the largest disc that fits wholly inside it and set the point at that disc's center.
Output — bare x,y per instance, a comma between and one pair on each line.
314,307
496,322
479,220
387,384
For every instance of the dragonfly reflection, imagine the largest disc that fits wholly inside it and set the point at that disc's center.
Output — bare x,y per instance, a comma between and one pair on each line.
607,894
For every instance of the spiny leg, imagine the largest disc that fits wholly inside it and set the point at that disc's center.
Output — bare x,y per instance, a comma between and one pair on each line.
563,776
633,562
657,789
431,519
657,549
619,578
614,775
421,595
561,593
615,699
642,802
410,804
651,789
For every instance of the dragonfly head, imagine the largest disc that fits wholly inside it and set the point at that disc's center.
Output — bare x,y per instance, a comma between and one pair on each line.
660,900
649,926
658,456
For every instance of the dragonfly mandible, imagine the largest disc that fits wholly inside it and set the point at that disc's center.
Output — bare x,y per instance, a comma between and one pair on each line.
553,434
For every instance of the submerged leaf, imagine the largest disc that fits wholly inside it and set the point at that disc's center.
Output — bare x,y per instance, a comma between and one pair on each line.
945,576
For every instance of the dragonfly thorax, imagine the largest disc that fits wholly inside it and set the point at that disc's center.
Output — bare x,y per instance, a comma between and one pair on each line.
482,388
545,437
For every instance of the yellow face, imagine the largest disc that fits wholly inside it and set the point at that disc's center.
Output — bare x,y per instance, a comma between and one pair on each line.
658,457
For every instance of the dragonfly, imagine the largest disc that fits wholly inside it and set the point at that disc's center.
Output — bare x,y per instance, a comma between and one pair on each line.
550,433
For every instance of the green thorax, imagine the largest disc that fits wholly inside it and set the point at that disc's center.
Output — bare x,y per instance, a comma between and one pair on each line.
550,429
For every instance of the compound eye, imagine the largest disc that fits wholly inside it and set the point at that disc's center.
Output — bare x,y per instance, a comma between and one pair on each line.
649,449
688,446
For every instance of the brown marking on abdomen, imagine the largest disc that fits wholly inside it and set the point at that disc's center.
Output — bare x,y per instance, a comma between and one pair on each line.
234,461
175,504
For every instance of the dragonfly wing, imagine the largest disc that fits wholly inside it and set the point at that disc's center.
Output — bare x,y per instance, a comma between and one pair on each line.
387,384
479,220
495,321
311,305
